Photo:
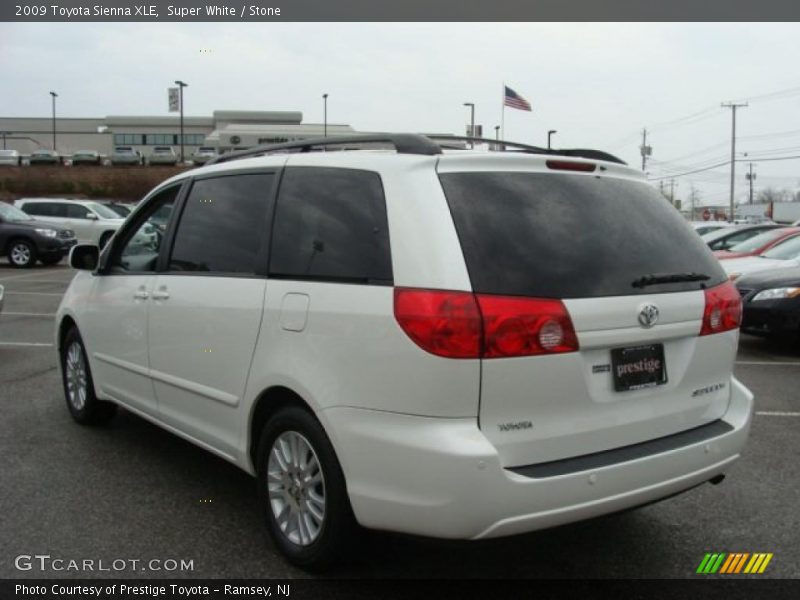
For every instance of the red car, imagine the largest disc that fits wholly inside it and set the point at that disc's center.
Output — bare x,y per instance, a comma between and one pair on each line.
759,243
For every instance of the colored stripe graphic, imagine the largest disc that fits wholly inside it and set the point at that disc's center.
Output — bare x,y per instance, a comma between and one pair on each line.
734,562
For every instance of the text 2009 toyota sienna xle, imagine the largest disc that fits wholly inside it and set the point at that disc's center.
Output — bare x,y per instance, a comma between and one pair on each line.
454,344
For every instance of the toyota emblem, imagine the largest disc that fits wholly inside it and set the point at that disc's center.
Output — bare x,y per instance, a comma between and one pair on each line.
648,315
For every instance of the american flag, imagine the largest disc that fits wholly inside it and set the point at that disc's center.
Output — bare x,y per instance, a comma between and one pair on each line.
514,100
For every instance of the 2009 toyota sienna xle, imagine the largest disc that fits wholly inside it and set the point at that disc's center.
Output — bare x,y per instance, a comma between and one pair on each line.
457,344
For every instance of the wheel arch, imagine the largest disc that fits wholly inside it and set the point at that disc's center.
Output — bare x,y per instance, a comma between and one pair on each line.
267,404
67,323
18,237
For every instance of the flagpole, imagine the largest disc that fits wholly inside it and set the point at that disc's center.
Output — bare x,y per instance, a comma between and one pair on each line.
503,112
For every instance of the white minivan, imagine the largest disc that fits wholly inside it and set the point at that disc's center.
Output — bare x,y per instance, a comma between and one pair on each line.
416,339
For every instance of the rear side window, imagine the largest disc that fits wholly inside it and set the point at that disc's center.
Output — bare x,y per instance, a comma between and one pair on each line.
571,236
76,211
222,225
330,225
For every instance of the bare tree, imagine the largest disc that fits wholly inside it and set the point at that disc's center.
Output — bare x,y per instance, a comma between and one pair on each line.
771,194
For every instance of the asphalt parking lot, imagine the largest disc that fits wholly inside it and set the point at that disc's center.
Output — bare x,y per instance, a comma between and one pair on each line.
133,491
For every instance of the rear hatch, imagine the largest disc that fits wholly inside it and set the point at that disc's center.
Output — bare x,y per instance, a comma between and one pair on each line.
601,243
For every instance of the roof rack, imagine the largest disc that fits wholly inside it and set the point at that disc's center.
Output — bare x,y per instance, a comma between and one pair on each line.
407,143
404,143
517,147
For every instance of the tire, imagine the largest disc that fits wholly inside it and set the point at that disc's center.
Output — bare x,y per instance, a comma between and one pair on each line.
22,254
104,239
76,377
336,530
49,261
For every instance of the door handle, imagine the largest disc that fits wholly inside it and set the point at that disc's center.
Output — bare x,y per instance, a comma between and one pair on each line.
161,294
141,295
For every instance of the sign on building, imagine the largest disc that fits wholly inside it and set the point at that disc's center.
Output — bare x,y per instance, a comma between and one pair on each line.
174,102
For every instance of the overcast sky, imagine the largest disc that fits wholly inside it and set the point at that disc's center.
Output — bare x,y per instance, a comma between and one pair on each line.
597,84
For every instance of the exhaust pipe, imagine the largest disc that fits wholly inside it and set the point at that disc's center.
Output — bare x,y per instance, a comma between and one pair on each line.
717,480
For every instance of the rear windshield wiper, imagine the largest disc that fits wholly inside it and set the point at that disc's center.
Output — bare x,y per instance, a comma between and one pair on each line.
655,278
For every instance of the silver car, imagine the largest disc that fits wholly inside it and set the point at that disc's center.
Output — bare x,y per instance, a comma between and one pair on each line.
203,154
125,155
162,155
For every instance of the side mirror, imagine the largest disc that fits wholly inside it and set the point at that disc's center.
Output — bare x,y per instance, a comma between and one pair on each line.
91,216
84,257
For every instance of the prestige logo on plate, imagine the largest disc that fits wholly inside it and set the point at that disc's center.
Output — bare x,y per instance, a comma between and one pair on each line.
734,563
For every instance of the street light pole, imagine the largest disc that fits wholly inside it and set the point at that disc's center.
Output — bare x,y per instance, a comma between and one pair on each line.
325,115
733,106
471,122
549,135
181,85
54,95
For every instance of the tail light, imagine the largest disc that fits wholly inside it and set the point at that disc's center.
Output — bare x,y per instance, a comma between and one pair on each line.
466,325
443,323
723,310
525,326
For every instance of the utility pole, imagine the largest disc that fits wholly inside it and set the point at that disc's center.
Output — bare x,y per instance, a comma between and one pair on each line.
751,177
182,85
645,149
672,192
733,106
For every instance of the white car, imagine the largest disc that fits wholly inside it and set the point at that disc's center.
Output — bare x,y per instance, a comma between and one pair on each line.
416,340
781,256
92,222
10,158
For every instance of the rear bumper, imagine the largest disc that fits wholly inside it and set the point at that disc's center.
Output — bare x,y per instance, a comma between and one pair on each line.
442,477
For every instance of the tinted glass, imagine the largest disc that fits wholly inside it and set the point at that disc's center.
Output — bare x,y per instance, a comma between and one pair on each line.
330,224
76,211
38,209
732,239
571,236
222,225
142,241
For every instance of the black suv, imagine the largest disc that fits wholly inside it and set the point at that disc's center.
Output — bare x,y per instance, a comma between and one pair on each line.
23,239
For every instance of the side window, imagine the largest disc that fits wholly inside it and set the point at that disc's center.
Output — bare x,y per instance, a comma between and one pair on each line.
330,224
222,224
142,242
76,211
36,209
56,209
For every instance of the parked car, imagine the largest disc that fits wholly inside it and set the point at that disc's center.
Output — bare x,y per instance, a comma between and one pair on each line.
725,239
704,227
393,339
203,154
758,243
10,158
125,155
771,302
45,157
25,240
91,221
162,155
782,256
86,157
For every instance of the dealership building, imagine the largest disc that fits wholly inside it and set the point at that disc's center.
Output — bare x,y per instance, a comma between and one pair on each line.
224,130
